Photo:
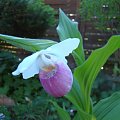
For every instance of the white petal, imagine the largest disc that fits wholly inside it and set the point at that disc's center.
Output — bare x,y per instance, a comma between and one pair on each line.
29,66
65,47
31,71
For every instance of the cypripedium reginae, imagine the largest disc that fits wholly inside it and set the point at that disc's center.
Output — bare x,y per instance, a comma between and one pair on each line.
51,65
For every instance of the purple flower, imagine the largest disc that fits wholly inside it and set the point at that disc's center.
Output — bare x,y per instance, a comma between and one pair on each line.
58,81
51,65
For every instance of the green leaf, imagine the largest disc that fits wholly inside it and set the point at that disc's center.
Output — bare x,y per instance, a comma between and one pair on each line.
75,97
77,117
84,116
63,114
69,29
32,45
109,108
87,72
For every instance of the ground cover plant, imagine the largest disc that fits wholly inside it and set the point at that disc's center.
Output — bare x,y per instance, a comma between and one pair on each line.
23,98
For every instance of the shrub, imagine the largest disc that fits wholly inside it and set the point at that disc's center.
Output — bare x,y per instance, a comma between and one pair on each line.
25,18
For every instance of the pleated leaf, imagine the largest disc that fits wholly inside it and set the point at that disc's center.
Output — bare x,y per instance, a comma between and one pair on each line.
75,97
32,45
109,108
69,29
87,72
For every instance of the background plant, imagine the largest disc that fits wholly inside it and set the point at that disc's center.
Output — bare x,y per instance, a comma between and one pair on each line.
25,18
31,102
104,13
105,85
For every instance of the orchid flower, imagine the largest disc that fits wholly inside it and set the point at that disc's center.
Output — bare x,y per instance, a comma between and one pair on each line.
51,65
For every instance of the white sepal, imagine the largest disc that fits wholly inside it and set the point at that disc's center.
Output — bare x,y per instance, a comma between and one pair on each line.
64,48
29,66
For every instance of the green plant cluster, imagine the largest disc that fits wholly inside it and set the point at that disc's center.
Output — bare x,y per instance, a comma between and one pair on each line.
25,18
105,85
31,102
33,111
104,13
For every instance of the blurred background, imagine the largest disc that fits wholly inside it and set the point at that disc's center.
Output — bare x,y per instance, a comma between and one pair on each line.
97,21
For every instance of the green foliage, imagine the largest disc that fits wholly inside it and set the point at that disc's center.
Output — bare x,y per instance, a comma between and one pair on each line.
20,88
86,73
104,85
31,102
4,110
63,114
104,13
32,45
37,110
109,108
25,18
75,96
68,29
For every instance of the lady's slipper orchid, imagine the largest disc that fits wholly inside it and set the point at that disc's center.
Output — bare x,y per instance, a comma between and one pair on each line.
51,65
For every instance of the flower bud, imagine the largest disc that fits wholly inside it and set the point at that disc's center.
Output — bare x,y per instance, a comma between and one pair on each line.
58,81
